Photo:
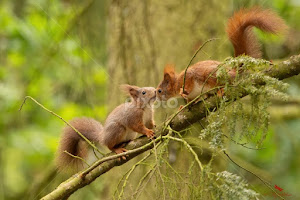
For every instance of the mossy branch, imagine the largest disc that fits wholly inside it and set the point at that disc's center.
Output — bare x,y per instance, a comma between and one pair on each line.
182,120
282,70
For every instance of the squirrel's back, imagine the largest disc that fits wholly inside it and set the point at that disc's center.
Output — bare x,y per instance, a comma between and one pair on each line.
239,29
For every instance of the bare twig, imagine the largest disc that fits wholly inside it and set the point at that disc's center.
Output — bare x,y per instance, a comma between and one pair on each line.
56,115
262,180
159,172
152,170
77,157
188,148
97,163
242,144
130,172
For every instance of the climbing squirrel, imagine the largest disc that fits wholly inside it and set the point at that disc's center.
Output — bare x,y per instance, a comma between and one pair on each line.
203,74
121,125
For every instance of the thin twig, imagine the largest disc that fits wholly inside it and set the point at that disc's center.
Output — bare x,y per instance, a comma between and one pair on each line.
95,154
210,75
188,147
262,180
183,86
56,115
102,160
78,157
168,164
153,168
186,105
130,172
158,170
77,17
242,144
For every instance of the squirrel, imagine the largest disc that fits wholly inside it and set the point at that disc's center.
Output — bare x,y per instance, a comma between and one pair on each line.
203,74
121,125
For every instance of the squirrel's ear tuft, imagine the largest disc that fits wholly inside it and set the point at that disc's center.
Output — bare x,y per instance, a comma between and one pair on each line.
169,69
169,73
132,90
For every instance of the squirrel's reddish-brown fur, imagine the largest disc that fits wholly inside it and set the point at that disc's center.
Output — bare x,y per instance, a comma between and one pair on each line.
201,76
239,29
73,143
121,125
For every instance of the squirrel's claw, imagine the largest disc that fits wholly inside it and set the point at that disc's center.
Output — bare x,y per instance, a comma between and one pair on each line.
120,150
183,94
180,108
150,134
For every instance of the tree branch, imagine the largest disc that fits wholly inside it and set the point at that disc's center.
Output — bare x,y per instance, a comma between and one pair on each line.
285,69
185,118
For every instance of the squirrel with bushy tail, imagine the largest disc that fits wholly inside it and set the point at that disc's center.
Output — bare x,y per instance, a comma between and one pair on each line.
122,125
201,77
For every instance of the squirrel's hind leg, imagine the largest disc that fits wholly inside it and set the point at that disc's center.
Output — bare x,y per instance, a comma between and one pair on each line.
119,150
188,87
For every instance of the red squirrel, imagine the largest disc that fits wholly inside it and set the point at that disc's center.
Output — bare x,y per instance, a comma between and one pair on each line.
203,74
121,125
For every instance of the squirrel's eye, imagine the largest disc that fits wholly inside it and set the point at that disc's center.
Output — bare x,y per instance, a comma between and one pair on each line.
143,92
159,91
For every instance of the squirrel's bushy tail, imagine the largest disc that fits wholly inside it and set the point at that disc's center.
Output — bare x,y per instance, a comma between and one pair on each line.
73,143
239,29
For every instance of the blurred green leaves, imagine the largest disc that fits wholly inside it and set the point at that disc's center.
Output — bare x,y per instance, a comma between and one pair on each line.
41,55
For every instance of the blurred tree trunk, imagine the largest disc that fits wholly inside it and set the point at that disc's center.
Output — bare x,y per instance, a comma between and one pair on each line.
19,6
145,35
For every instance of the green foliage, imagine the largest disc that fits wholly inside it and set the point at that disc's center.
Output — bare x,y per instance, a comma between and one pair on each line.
234,187
233,118
42,56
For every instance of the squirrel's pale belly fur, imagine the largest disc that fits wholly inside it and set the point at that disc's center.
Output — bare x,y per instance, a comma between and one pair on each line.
130,134
148,114
198,88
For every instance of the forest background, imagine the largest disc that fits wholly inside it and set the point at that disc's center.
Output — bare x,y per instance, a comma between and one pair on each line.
72,56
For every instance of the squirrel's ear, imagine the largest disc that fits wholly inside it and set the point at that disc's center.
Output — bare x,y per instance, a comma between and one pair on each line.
132,90
169,72
169,68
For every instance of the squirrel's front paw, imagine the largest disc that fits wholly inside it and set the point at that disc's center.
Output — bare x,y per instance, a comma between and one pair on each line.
150,134
183,94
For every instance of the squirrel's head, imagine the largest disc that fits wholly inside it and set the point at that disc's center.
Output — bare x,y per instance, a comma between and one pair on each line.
167,88
143,96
